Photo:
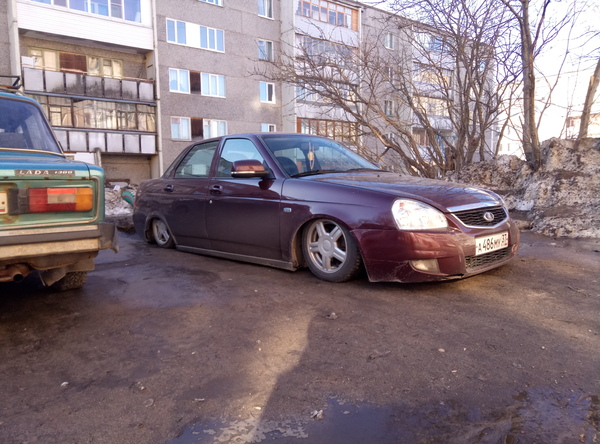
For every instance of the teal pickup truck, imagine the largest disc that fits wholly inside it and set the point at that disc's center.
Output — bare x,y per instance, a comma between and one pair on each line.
51,207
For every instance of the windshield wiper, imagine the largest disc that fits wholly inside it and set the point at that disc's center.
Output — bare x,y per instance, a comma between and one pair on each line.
315,172
363,169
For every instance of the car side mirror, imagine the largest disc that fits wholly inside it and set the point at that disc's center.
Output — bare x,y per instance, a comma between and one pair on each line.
248,168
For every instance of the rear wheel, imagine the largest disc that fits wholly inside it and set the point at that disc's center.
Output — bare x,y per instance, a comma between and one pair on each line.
70,281
161,234
330,251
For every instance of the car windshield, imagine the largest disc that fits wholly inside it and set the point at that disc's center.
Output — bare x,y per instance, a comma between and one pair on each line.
307,155
23,126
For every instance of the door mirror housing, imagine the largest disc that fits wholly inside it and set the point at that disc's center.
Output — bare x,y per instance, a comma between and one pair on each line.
248,168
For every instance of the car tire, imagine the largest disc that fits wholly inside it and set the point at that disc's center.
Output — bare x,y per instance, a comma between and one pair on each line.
330,251
70,281
161,235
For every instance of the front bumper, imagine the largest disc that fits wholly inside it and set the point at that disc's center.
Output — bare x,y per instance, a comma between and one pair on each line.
388,255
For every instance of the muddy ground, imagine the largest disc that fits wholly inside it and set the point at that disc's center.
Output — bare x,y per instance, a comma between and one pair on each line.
162,346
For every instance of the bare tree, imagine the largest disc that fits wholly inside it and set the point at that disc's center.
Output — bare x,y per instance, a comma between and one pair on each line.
431,99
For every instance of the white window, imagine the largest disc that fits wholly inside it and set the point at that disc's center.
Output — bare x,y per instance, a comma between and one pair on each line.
267,92
176,31
179,80
267,128
390,41
214,128
265,8
212,39
123,9
265,50
196,36
213,2
213,85
180,128
388,108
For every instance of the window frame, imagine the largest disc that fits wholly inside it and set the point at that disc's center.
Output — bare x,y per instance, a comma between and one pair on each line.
266,50
189,128
206,88
268,88
267,7
178,80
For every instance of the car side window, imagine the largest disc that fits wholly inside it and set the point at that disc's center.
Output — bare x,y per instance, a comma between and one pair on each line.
197,162
236,149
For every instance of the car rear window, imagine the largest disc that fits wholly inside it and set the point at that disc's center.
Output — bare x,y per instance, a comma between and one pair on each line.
23,126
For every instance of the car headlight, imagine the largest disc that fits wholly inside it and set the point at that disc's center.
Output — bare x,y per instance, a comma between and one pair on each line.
415,215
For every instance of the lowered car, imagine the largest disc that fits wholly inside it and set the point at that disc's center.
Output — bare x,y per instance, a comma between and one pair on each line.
296,200
51,207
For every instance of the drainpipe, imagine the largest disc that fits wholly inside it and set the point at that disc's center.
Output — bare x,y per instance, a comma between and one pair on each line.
13,39
156,165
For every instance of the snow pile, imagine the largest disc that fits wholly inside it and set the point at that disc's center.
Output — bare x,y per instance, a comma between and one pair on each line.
119,205
561,199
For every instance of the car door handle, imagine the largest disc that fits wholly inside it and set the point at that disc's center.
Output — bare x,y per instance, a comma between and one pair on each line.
169,188
216,189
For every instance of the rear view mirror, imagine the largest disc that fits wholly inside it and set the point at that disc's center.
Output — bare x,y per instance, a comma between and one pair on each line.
248,168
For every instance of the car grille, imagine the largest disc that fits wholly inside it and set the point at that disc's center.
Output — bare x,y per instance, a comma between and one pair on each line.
474,218
473,262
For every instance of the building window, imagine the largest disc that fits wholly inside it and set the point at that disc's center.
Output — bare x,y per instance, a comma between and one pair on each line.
45,59
213,2
265,50
180,128
214,128
213,85
329,12
179,80
388,107
212,39
434,106
325,51
97,114
196,36
267,92
103,67
390,41
176,32
267,128
79,63
129,10
337,130
265,8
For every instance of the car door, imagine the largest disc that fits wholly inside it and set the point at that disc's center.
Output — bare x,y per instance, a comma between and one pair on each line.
186,190
242,214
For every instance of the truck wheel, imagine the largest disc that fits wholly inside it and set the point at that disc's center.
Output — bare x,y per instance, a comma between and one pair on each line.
71,281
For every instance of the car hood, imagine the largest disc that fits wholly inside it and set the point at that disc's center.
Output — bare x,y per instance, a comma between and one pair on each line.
445,196
29,164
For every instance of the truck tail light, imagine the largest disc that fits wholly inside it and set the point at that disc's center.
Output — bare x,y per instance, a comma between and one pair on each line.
55,200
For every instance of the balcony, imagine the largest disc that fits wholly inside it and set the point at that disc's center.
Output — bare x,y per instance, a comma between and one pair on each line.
78,84
91,113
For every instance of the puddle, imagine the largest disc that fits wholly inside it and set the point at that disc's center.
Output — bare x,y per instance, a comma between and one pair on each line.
535,416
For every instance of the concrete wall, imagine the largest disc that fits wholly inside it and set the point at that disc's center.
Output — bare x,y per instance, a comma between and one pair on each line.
241,107
132,169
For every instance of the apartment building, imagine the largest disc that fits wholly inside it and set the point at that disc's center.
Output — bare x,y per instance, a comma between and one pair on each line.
133,82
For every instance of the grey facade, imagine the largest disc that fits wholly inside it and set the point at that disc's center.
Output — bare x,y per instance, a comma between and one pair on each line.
140,82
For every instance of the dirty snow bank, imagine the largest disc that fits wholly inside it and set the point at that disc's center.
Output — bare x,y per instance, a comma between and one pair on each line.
562,199
119,205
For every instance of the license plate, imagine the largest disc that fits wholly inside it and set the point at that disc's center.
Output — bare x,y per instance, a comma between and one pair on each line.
3,203
487,244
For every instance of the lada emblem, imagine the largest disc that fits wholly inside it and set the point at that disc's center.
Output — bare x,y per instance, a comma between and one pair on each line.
488,216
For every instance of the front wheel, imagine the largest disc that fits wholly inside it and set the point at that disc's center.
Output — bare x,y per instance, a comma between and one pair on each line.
161,234
330,251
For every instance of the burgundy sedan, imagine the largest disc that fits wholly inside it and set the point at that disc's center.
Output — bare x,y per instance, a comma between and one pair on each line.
295,200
